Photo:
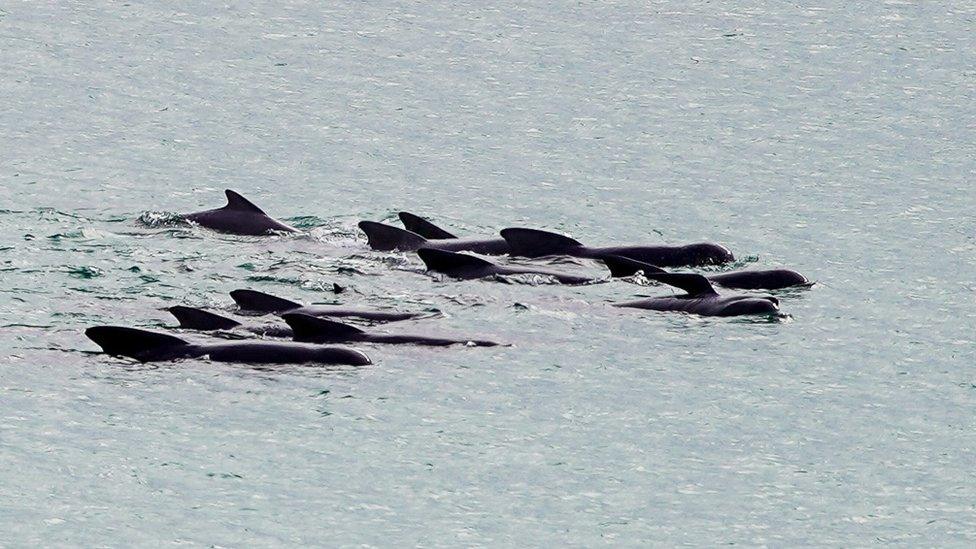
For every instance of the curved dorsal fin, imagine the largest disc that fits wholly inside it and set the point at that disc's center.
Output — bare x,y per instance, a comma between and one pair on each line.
387,238
311,329
131,342
535,243
624,266
250,300
424,228
694,284
197,319
446,262
239,203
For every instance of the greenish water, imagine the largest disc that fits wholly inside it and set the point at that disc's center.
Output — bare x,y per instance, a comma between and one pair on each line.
836,140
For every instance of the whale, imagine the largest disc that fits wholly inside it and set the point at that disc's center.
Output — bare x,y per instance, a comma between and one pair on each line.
767,279
536,243
702,299
239,216
255,302
192,318
306,328
469,267
313,329
416,224
764,279
485,246
149,346
387,238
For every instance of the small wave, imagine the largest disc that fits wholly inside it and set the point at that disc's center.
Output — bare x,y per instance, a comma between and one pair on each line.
306,222
276,279
155,220
774,318
84,272
739,263
87,233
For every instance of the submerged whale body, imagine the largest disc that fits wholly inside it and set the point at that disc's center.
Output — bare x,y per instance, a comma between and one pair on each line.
321,330
536,243
147,346
259,302
239,216
387,238
701,298
468,267
769,279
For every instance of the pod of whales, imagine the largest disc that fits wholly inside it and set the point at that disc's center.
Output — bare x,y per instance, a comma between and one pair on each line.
239,216
769,279
312,326
147,346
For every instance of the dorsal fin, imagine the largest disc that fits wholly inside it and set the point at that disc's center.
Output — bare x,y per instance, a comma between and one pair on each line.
424,228
446,262
250,300
313,329
239,203
535,243
387,238
694,284
131,342
624,266
191,318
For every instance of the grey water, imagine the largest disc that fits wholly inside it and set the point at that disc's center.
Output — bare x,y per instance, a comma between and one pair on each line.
833,138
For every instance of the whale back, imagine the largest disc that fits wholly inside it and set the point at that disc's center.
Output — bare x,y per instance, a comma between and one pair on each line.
455,264
387,238
308,328
191,318
771,279
624,266
426,229
134,343
695,284
260,302
238,203
536,243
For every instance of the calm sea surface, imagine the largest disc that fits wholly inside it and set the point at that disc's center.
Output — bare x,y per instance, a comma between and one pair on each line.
839,140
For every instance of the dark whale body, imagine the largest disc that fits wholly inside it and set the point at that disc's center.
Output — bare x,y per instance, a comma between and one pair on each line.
435,234
769,279
146,346
468,267
306,328
702,299
313,329
191,318
423,227
766,279
536,243
239,216
387,238
262,303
